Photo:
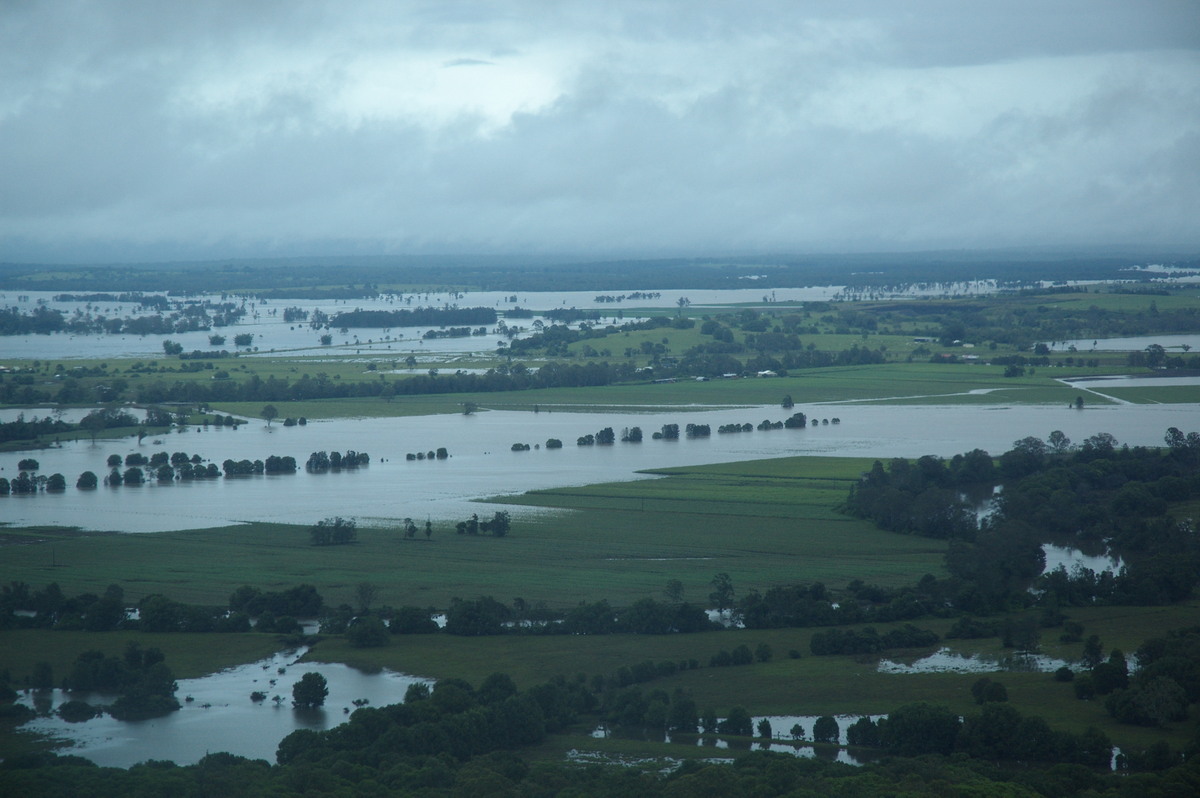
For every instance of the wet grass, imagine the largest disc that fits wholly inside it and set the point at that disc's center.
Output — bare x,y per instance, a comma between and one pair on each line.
1151,394
765,524
808,685
188,655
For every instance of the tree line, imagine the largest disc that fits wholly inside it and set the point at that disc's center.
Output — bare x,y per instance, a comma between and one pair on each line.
417,317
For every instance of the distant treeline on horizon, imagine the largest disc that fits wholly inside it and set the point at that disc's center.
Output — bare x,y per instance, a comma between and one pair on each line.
365,276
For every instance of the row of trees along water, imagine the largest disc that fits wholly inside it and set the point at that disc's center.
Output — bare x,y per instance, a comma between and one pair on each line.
186,317
106,418
671,432
1095,493
178,466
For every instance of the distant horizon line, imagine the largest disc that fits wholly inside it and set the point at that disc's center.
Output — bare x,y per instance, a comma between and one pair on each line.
569,258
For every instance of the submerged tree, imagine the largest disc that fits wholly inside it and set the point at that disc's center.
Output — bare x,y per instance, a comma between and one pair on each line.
310,691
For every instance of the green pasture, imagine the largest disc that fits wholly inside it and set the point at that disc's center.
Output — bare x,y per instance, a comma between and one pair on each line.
189,655
1151,394
765,524
367,407
893,383
808,685
1179,298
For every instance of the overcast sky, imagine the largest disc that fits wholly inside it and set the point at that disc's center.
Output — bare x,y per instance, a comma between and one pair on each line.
136,130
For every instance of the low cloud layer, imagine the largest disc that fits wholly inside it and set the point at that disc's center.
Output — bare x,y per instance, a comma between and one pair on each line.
148,130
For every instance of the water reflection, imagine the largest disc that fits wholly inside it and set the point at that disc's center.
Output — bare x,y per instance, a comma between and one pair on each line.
945,660
1070,558
482,463
221,715
264,320
1135,344
789,736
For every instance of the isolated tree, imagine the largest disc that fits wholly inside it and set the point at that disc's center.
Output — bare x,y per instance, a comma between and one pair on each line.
43,676
364,595
368,632
93,423
722,595
310,691
270,413
674,591
1058,441
738,723
333,531
500,524
417,691
826,730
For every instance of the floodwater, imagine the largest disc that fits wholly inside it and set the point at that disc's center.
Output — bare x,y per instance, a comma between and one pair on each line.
1072,558
264,318
481,462
1174,344
221,716
946,660
781,740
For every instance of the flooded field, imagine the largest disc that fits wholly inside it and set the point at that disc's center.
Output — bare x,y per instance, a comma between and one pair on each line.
220,715
482,463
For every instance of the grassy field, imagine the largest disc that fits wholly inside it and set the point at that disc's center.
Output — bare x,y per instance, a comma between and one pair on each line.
1152,394
808,685
765,524
189,655
891,383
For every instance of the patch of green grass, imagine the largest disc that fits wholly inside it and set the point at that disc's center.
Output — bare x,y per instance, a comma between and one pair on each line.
1152,394
188,655
370,407
765,524
809,685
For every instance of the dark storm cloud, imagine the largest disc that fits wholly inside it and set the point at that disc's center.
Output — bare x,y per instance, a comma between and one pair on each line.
261,128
